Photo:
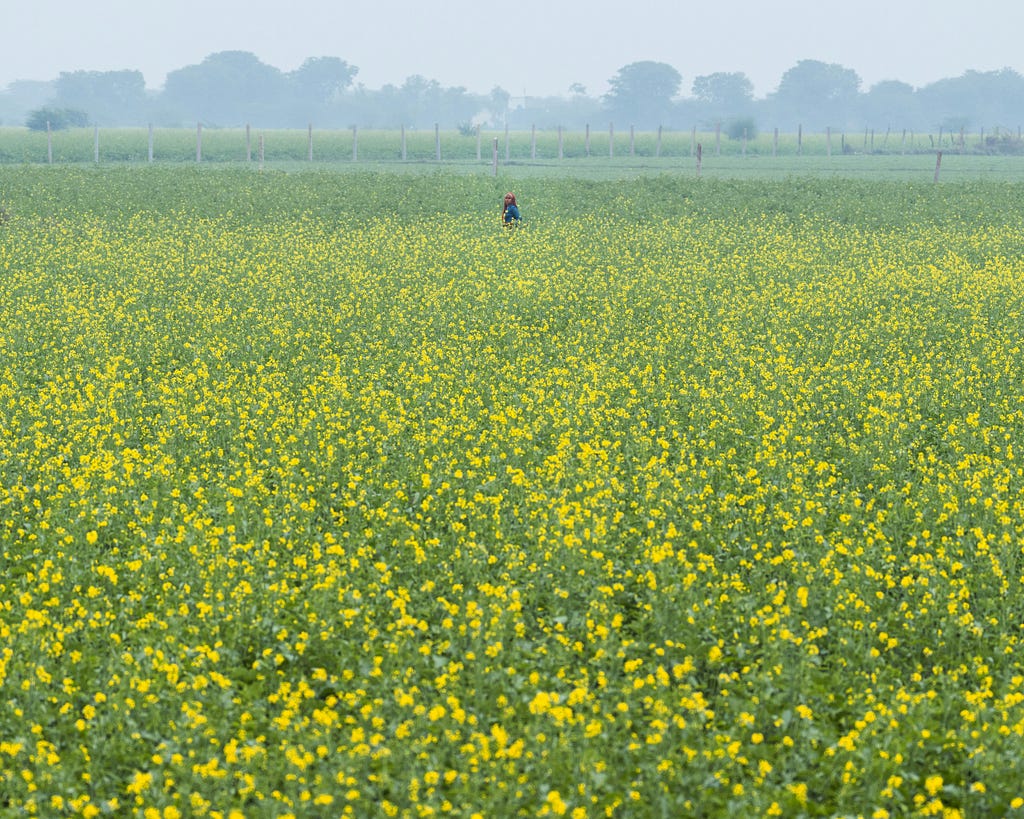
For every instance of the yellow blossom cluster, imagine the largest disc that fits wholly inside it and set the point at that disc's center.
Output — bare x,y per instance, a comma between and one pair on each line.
600,517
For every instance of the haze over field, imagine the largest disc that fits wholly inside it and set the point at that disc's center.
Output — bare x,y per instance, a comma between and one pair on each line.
529,47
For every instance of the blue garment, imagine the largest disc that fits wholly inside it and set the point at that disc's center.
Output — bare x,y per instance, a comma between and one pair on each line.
511,212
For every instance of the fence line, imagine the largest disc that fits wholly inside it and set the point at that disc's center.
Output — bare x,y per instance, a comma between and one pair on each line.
215,145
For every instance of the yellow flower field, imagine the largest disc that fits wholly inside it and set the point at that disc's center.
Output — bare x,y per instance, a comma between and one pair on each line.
605,516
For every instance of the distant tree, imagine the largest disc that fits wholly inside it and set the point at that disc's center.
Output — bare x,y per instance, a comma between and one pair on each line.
1002,97
730,93
981,99
21,98
891,104
641,93
817,94
58,119
229,88
458,105
497,105
321,80
317,93
417,99
552,112
418,103
108,97
369,108
741,127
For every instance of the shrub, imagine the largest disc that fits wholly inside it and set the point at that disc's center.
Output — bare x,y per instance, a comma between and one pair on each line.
58,118
737,127
1004,144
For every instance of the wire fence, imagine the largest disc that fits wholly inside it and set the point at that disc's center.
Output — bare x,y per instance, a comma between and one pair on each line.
478,145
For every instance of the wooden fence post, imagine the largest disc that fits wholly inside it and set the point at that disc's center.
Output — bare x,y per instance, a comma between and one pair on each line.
938,162
699,158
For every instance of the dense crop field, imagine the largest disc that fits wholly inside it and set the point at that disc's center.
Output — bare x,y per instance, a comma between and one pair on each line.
323,494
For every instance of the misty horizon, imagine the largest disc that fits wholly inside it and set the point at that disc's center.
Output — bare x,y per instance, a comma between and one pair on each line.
578,89
538,49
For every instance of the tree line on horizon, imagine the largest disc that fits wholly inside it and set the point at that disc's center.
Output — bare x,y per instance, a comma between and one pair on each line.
235,88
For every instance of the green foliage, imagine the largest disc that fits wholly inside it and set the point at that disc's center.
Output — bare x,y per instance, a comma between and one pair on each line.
228,88
742,128
686,470
1004,144
107,97
817,94
642,92
320,80
57,119
322,491
723,89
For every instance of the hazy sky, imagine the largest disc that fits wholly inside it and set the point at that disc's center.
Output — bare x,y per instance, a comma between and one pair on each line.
531,47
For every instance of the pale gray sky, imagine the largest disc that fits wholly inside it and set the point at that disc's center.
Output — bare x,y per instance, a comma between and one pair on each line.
531,47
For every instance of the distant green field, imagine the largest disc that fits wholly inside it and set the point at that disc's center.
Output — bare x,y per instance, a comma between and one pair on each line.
599,154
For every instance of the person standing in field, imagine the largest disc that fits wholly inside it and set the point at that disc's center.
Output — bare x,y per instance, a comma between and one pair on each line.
510,210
